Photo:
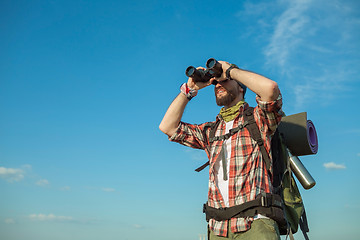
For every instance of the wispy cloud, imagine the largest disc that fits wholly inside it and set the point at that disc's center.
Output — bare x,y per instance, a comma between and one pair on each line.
300,43
9,221
59,218
50,217
138,226
12,174
65,188
43,183
352,206
287,33
313,44
196,154
334,166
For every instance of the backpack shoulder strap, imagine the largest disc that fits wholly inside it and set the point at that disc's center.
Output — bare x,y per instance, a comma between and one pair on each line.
255,134
213,127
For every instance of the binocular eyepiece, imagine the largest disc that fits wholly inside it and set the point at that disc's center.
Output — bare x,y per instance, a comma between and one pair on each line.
213,69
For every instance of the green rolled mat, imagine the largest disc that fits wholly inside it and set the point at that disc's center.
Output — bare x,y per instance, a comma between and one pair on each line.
299,134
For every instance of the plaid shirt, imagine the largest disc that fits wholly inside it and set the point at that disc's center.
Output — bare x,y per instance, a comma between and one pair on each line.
247,173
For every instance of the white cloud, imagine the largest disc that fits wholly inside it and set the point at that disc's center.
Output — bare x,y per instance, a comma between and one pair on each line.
42,183
49,217
11,174
334,166
18,174
138,226
9,221
65,188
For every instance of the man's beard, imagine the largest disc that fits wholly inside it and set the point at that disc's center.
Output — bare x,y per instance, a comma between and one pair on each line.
226,99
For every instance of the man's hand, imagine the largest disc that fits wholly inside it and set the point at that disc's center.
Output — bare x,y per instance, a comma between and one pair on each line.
225,66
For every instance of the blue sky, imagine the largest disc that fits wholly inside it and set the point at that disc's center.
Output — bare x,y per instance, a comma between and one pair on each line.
84,86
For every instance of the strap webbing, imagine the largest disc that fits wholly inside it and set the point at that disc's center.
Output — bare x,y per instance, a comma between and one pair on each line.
202,166
229,134
212,137
213,126
304,225
262,204
256,135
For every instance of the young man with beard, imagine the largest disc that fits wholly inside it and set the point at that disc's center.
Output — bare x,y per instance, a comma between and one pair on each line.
237,170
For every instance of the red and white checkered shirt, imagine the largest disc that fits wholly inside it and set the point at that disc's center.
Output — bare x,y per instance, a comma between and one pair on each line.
248,176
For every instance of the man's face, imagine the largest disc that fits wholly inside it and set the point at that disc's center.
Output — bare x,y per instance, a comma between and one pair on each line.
226,92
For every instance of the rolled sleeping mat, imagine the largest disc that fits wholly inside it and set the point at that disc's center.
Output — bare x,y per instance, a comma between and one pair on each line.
299,134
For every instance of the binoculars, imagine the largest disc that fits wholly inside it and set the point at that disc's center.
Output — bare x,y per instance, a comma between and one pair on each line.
213,69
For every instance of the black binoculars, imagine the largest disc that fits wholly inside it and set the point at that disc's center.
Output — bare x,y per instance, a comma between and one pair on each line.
213,69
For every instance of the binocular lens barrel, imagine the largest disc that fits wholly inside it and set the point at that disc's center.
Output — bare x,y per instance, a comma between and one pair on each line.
214,66
190,71
199,75
211,63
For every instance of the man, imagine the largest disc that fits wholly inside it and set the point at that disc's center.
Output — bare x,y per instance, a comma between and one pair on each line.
237,170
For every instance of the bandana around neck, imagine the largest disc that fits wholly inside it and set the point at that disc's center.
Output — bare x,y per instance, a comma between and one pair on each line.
230,113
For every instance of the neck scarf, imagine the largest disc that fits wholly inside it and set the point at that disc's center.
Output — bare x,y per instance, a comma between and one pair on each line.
230,113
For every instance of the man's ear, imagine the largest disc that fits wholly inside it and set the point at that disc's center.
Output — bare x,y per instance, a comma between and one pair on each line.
242,91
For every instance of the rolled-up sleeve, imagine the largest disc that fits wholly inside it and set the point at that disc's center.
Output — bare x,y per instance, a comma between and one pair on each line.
190,135
270,112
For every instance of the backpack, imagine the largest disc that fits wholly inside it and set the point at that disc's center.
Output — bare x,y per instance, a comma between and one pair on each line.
285,204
